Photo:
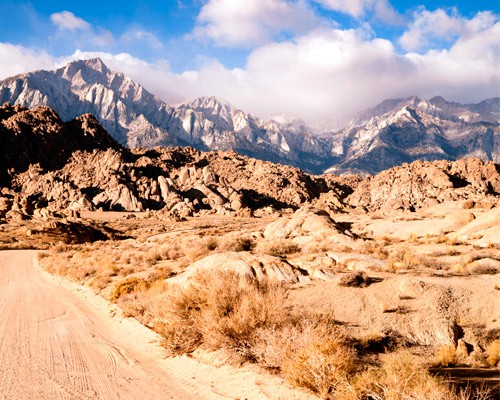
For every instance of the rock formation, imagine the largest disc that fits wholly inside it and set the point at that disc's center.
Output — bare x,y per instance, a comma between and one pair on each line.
49,167
424,183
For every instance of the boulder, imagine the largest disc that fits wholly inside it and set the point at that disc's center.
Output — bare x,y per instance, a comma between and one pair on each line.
252,266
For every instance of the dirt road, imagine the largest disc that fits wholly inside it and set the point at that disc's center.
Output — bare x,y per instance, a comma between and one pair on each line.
53,346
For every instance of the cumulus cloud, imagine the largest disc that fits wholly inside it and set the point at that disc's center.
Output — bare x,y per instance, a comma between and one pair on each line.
66,20
325,74
382,9
331,74
71,28
233,23
16,59
430,28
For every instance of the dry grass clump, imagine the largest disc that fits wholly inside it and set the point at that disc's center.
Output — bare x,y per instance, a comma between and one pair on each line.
197,248
322,366
244,243
127,286
446,356
493,353
141,303
218,310
375,248
401,376
405,259
355,279
273,346
277,247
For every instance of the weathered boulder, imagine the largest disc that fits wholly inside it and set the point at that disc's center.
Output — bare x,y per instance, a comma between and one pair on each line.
309,223
252,266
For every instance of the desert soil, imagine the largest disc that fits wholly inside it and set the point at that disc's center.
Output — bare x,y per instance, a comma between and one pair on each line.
59,341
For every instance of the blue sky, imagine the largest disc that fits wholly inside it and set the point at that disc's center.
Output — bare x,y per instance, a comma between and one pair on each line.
318,59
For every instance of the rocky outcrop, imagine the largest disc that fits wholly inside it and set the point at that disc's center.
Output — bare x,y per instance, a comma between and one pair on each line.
39,136
422,184
306,224
259,267
74,166
78,166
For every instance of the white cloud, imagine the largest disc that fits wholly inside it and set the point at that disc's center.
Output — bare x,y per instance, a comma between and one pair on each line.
331,74
326,74
233,23
73,29
430,28
66,20
99,37
382,9
143,36
18,59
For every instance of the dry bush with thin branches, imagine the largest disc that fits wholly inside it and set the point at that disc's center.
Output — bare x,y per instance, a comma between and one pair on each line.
402,376
324,362
277,247
197,248
218,310
129,285
493,353
446,356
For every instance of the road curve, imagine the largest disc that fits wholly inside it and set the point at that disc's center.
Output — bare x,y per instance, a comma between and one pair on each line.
53,346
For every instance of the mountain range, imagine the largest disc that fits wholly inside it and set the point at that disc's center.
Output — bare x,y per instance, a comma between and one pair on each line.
394,132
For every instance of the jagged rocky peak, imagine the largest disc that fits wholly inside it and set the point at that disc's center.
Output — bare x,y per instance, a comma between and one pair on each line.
487,110
287,120
39,136
406,130
210,103
384,107
90,71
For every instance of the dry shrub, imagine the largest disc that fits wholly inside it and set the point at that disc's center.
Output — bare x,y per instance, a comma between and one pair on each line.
218,310
245,243
159,273
142,304
127,286
482,392
355,279
446,356
404,258
493,353
402,376
61,248
196,249
322,366
375,249
273,345
308,351
277,247
412,238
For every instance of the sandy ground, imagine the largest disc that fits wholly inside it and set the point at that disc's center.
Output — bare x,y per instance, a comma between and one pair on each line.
60,341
